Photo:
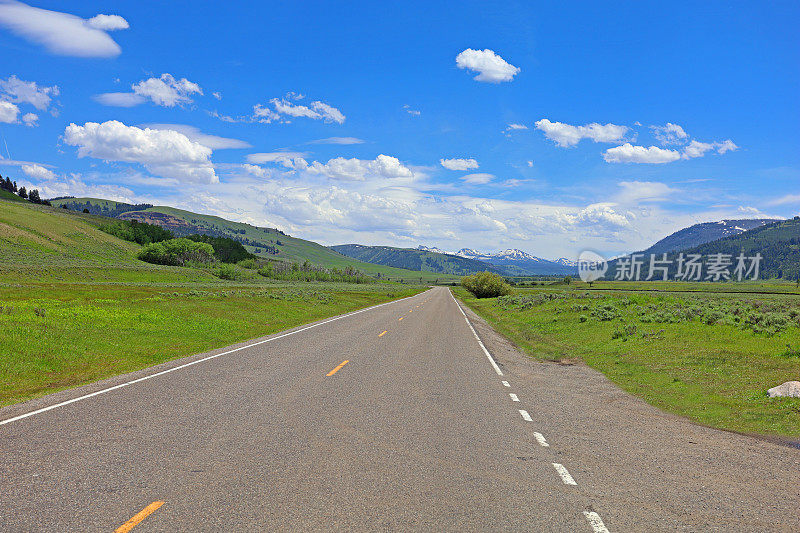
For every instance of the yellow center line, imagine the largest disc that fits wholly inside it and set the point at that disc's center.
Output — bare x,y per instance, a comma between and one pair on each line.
382,334
141,515
335,370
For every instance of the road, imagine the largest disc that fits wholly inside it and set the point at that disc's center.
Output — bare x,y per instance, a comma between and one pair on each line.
394,418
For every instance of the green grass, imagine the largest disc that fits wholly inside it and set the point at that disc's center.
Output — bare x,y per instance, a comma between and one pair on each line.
10,196
709,356
63,335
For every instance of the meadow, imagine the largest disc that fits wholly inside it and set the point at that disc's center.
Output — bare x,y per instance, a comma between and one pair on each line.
709,355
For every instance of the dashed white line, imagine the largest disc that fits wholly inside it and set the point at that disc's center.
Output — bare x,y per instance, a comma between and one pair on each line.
525,415
564,473
488,355
596,522
192,363
514,397
505,383
540,439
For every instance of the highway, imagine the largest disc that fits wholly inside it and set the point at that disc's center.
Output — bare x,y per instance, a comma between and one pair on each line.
409,416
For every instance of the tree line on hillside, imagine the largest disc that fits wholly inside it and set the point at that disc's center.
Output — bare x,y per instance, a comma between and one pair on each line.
32,196
103,209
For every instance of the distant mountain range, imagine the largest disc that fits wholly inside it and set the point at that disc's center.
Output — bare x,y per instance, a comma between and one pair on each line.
422,259
519,263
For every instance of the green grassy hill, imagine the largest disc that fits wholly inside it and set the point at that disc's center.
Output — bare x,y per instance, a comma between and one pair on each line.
416,259
10,196
266,243
48,243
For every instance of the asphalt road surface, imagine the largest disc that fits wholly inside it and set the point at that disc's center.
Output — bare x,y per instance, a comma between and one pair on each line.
393,418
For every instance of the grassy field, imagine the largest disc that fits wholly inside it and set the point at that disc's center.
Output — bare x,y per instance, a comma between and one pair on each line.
709,355
66,334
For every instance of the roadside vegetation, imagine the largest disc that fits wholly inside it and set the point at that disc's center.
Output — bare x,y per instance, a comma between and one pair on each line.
486,285
708,355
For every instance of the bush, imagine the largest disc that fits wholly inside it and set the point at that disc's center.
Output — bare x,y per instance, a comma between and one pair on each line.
227,271
248,263
486,285
225,249
177,252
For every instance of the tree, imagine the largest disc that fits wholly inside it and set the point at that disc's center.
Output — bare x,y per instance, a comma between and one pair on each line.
33,196
85,210
22,193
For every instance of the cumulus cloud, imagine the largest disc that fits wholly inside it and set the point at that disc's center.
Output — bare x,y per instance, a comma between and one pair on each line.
165,91
628,153
275,157
696,149
8,112
459,164
165,153
30,119
108,22
74,185
489,66
316,110
339,168
62,33
566,135
38,172
19,91
194,134
338,140
669,134
479,178
725,146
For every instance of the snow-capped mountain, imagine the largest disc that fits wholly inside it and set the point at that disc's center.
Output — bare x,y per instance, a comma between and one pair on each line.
519,262
433,249
566,262
703,233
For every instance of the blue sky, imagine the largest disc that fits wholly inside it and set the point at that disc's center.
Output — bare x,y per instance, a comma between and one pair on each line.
541,126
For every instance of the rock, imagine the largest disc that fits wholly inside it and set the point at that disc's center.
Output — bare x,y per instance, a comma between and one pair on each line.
790,388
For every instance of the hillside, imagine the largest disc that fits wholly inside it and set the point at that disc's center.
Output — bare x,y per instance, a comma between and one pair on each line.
420,259
267,243
777,242
44,243
703,233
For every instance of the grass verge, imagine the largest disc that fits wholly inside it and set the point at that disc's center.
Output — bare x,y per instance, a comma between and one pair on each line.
61,335
709,357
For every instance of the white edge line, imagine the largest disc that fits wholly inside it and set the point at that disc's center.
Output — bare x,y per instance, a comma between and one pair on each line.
564,473
540,439
596,522
488,355
191,363
525,415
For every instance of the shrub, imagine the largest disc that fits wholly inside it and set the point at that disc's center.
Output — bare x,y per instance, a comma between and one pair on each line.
227,271
177,252
486,285
225,249
248,263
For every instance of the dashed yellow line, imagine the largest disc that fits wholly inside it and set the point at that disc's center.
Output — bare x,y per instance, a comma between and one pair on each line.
141,515
335,370
401,318
382,334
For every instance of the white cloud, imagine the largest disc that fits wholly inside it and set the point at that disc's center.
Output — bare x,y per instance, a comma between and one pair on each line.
165,153
566,135
489,66
8,112
479,178
696,149
338,140
30,119
530,164
167,91
59,33
669,134
217,95
412,112
339,168
27,92
75,186
275,157
317,110
786,199
194,134
514,127
119,99
725,146
38,172
459,164
108,22
628,153
633,192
